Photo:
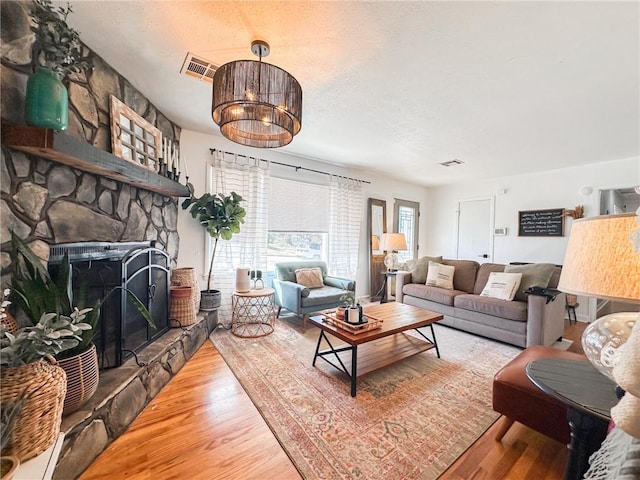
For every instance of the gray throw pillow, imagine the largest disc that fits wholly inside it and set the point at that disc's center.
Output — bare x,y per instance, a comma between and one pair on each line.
419,267
533,275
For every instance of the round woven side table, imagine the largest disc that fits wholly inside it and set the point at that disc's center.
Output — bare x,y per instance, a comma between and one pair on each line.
253,313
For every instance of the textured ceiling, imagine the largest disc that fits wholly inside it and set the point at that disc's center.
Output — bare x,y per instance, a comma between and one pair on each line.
398,87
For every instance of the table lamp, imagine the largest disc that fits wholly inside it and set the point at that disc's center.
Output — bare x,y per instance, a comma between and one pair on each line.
391,243
601,262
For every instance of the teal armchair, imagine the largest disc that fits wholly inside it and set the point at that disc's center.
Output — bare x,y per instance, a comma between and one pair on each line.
302,300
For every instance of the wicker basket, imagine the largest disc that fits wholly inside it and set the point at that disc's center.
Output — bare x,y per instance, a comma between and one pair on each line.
82,378
9,323
182,312
186,277
38,426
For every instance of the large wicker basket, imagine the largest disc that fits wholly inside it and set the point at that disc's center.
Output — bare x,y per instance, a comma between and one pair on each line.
82,378
182,311
186,277
38,425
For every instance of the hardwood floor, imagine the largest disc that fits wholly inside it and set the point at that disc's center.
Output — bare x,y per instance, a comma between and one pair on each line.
202,425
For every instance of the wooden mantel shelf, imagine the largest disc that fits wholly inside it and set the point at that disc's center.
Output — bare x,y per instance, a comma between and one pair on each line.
79,154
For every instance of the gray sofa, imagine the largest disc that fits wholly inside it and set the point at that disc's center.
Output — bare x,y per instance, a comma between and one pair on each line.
532,320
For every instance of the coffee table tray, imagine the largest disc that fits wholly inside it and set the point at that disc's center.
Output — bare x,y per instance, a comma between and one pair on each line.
371,324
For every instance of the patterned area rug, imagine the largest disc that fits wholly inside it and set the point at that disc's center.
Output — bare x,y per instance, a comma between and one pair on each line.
410,420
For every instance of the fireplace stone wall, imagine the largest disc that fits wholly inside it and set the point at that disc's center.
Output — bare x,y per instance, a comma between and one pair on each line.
49,203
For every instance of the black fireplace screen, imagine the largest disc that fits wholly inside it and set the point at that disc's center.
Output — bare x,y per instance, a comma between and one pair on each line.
100,268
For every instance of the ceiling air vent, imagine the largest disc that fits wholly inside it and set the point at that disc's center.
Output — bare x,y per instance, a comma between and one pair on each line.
198,67
451,163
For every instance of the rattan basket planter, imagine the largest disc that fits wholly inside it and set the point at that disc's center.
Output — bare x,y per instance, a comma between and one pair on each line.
182,312
9,323
186,277
38,425
82,378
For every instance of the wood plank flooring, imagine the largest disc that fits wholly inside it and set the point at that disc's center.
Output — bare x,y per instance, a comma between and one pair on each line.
202,425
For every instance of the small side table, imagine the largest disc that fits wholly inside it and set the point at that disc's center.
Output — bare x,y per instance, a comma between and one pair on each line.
385,286
253,313
588,395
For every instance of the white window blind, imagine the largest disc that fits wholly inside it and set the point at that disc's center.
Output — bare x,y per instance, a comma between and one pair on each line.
298,207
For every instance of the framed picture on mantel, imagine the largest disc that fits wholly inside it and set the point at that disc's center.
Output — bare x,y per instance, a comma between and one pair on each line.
133,138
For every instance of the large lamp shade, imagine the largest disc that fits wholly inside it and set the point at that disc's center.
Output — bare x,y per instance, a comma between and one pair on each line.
601,261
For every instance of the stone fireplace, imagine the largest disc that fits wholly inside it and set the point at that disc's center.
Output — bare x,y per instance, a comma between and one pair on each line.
49,202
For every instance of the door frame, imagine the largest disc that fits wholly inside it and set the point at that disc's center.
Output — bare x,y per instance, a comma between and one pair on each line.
492,222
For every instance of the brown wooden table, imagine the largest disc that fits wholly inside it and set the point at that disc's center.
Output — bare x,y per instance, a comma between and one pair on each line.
380,347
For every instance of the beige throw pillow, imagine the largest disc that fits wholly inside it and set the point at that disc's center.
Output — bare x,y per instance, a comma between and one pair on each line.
502,285
533,275
309,277
419,267
440,275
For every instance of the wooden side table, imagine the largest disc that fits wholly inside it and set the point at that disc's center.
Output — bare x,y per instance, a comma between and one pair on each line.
588,395
253,313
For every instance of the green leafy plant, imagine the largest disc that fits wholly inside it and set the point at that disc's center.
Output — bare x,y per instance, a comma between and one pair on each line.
37,294
60,44
54,333
9,412
349,299
220,215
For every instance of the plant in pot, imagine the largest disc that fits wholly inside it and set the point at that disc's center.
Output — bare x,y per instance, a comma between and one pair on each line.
36,292
59,50
30,371
351,311
221,216
9,412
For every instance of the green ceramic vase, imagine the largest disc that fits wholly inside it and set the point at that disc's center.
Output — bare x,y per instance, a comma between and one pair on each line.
47,101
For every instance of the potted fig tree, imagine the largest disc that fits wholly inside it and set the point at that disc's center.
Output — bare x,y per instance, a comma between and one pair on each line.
221,216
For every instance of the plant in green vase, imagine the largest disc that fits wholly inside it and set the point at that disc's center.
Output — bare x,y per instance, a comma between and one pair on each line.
60,52
221,216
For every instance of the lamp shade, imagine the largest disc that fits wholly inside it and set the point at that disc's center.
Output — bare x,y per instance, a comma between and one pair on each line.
375,243
393,242
601,261
256,104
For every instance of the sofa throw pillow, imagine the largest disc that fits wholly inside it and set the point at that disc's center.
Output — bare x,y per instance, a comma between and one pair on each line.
533,275
502,285
419,267
309,277
440,275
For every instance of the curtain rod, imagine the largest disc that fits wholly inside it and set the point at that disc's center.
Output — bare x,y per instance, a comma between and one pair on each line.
213,150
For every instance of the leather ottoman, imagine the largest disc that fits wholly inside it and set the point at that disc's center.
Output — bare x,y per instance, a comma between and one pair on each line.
515,397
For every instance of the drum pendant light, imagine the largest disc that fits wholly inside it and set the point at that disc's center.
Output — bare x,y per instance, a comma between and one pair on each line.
256,103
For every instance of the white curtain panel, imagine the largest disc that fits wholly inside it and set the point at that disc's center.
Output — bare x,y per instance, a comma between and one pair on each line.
345,214
248,177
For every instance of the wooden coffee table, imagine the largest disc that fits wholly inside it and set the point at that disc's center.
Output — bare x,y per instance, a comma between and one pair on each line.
379,347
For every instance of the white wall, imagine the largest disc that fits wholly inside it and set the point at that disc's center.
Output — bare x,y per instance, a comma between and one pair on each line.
195,147
552,189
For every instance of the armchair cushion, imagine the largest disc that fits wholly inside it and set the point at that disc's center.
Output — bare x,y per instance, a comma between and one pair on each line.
322,296
309,277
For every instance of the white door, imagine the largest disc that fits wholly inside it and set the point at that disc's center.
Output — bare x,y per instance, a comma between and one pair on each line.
475,239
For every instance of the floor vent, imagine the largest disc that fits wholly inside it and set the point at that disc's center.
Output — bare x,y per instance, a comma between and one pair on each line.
451,163
198,67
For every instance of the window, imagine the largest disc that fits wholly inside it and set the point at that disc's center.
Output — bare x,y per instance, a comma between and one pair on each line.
298,222
405,220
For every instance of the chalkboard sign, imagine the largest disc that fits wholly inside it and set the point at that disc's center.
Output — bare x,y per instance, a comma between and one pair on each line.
541,223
